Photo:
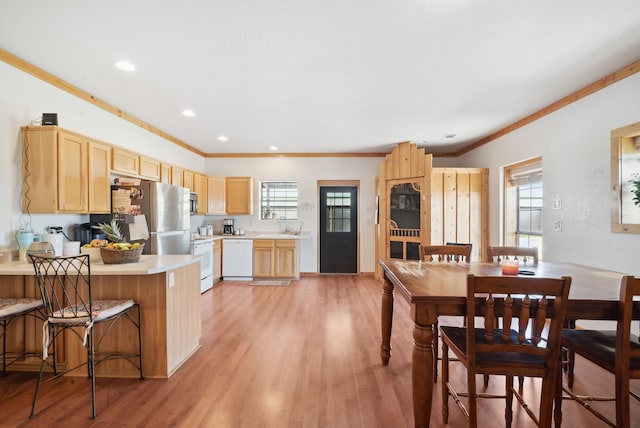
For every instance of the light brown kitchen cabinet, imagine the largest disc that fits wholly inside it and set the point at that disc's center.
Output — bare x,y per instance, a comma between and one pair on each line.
200,183
217,260
125,162
275,258
263,257
239,195
215,196
149,168
286,258
176,176
99,181
130,163
64,172
165,173
187,180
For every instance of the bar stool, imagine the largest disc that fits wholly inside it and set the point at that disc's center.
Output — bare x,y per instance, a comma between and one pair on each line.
12,309
65,285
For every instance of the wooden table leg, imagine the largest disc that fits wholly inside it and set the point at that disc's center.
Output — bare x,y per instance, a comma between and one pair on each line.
386,321
422,374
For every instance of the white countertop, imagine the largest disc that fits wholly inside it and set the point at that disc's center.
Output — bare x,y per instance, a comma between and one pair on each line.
148,265
265,234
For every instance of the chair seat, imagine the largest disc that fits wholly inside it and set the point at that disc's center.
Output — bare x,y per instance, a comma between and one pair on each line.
598,347
14,306
511,362
102,310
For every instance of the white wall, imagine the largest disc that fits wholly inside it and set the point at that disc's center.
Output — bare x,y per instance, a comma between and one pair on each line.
24,98
307,171
574,143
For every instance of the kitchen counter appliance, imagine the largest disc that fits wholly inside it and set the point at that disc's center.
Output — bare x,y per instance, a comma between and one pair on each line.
204,248
227,226
237,262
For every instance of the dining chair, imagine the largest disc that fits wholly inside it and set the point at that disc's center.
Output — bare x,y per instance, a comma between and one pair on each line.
449,253
532,312
11,310
617,351
452,253
526,255
65,287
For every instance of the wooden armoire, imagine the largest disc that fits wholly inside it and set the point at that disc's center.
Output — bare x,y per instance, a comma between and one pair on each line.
421,205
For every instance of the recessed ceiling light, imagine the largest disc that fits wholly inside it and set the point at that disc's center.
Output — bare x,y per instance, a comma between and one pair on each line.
222,138
273,148
125,66
449,136
188,113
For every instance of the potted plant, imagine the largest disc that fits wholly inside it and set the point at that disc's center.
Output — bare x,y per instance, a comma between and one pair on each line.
636,190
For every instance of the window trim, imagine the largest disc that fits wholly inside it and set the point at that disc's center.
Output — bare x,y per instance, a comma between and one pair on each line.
512,174
290,208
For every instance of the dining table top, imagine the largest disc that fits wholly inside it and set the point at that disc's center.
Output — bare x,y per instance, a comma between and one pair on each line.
422,282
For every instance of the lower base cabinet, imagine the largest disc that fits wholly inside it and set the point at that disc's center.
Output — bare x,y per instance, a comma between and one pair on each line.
275,258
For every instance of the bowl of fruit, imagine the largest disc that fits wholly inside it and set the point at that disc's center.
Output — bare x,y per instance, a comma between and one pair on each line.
115,250
93,249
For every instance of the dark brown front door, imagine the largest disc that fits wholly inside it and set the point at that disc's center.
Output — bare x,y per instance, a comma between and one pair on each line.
339,229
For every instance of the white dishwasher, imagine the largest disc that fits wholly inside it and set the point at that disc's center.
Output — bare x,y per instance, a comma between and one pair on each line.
237,259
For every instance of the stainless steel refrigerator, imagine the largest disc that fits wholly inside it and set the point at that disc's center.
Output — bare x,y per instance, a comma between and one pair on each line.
164,209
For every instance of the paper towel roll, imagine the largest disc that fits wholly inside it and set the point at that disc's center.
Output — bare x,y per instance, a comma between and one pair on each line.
56,241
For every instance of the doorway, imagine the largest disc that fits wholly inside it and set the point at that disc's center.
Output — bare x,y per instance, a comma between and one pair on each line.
338,229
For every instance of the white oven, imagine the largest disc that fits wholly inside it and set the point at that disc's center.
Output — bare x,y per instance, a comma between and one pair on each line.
204,248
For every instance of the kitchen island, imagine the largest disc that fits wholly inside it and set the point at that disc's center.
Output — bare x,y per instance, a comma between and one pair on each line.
166,287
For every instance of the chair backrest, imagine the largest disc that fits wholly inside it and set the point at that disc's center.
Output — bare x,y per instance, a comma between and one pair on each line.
65,286
526,305
449,253
524,254
629,288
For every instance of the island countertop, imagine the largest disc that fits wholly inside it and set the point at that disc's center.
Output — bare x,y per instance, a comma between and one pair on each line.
148,265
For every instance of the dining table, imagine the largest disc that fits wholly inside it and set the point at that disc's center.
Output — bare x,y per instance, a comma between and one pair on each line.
435,289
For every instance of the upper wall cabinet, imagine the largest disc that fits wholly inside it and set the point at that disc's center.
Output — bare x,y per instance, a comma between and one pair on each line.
130,163
216,203
149,168
200,183
187,180
165,173
64,172
125,161
239,195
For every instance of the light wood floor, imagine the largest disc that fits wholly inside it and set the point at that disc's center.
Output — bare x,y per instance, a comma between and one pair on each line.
306,355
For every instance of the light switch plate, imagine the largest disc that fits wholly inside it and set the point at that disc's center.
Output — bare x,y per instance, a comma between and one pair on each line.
557,226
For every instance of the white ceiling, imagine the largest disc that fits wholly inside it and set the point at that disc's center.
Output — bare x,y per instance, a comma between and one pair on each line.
325,75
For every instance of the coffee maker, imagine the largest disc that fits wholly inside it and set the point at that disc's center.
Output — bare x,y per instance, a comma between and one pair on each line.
227,226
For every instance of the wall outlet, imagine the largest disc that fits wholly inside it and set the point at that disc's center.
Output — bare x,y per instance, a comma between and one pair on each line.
557,226
557,203
172,279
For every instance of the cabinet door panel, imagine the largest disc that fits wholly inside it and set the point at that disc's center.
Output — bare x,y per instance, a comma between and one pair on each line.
72,177
216,196
125,161
239,195
286,258
262,258
99,182
149,168
200,187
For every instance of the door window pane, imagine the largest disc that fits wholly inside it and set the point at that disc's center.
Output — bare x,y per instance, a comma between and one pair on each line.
338,212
